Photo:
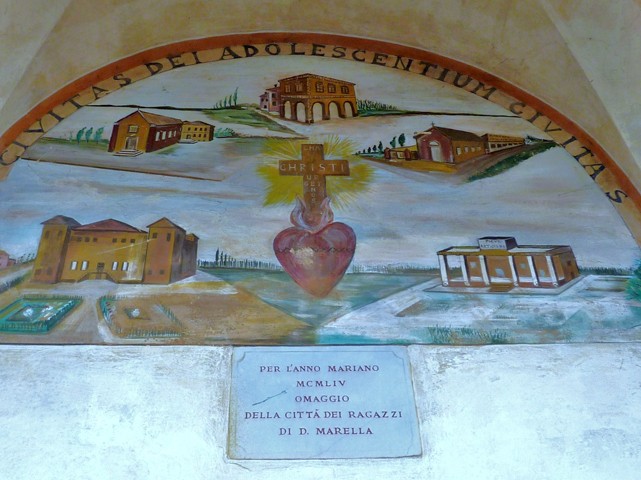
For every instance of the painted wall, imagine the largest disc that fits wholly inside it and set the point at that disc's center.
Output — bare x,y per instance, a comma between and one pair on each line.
557,50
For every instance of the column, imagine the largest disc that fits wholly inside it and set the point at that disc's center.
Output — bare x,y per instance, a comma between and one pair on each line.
466,279
555,280
535,278
515,279
486,278
442,263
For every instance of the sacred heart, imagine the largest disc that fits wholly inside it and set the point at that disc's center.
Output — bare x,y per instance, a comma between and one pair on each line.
316,260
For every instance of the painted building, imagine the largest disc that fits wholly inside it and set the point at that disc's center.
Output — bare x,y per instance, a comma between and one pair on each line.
310,98
499,263
196,132
401,154
115,251
270,100
6,260
446,145
494,142
141,132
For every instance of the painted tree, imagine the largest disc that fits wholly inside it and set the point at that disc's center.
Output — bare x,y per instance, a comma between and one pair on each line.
401,140
98,135
79,134
236,97
393,142
380,146
633,286
88,134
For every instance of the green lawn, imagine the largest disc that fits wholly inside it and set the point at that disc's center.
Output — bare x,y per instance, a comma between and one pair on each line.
102,145
513,161
246,116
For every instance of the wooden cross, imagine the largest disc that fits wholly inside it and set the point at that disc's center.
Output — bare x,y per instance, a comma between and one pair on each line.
313,168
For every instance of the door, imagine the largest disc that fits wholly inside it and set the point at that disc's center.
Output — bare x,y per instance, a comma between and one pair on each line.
436,152
131,143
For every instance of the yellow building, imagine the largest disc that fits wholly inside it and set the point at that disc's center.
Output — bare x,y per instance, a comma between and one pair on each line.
499,263
196,132
494,142
115,251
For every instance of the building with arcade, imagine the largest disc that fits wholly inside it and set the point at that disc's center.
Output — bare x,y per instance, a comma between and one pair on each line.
310,98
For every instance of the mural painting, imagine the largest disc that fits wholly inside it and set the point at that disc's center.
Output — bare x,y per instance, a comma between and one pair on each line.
304,200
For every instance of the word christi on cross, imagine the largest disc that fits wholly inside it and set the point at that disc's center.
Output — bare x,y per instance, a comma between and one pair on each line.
314,168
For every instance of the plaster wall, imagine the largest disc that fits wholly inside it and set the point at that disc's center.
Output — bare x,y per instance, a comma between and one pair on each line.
497,412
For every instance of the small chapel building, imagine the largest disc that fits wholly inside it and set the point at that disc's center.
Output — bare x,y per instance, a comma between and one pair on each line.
498,262
447,145
141,132
113,250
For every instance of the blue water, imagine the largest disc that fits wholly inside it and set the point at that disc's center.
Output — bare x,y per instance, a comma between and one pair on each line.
354,291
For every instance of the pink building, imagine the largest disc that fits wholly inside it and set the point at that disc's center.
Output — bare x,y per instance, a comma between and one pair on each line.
6,260
270,100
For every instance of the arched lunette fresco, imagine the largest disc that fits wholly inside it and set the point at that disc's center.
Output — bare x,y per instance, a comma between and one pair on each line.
84,91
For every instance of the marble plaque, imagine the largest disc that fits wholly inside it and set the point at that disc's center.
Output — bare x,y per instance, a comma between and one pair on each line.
322,402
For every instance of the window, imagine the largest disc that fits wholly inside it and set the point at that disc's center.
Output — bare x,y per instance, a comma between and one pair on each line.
467,149
133,129
164,135
47,234
94,239
85,265
331,88
78,239
114,240
133,240
86,239
114,266
319,87
157,136
74,265
150,271
154,235
125,266
123,240
162,272
288,88
299,87
458,150
168,236
344,89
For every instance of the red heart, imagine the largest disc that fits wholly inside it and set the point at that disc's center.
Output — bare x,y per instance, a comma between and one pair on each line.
316,261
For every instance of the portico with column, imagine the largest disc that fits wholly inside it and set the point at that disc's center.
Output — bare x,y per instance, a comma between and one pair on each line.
500,262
